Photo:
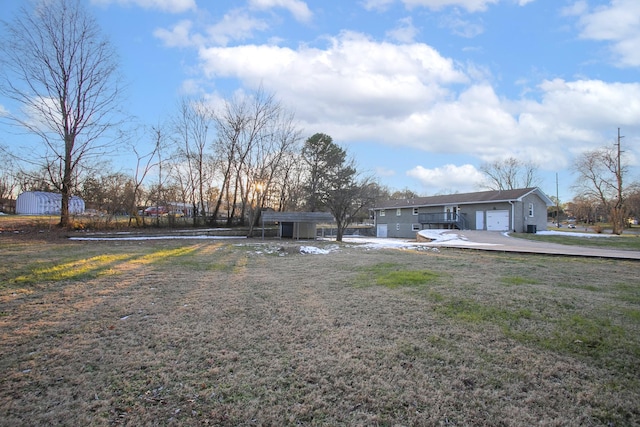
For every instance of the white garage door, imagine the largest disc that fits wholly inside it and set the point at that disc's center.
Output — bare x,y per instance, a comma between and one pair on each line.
382,230
497,220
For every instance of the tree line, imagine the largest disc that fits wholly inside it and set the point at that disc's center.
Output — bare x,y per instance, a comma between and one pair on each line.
230,162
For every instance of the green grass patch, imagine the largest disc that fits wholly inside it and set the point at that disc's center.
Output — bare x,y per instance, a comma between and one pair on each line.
627,292
517,280
91,267
393,276
595,336
396,279
475,312
632,314
591,288
624,241
72,270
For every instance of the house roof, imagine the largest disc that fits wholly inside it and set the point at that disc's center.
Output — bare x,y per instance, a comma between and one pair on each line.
313,217
466,198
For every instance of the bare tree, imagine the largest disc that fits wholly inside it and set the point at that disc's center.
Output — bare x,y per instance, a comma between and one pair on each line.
268,161
145,162
8,181
600,176
109,193
291,186
509,174
57,65
255,135
584,208
191,124
633,202
230,124
404,194
159,193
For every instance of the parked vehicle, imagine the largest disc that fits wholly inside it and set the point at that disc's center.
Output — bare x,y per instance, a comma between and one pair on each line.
156,211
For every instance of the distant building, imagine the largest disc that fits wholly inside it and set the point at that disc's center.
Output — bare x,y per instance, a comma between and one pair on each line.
44,203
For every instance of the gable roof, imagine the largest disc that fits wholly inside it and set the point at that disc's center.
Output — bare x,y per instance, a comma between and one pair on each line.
313,217
493,196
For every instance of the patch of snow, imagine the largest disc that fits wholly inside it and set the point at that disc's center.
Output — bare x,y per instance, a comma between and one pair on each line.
571,233
158,238
318,251
435,237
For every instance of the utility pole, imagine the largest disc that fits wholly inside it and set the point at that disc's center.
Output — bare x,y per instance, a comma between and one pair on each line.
557,203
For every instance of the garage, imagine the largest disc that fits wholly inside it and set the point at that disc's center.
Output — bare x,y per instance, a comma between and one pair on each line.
498,220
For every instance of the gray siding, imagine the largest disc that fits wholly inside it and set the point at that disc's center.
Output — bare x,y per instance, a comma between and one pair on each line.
401,226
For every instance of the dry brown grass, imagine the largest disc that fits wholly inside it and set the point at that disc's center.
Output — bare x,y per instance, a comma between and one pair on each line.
252,333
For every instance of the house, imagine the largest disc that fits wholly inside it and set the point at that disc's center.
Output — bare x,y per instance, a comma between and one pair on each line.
520,210
45,203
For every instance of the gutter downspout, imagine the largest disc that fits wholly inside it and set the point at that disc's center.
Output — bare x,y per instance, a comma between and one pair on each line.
513,216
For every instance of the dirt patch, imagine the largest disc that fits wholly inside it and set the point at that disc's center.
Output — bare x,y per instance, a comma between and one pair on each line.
255,333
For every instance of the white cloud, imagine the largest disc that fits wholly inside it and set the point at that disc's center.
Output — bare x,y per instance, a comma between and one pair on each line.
619,24
576,9
469,5
297,8
358,89
464,178
405,32
611,102
461,27
234,25
171,6
353,73
178,36
379,5
384,172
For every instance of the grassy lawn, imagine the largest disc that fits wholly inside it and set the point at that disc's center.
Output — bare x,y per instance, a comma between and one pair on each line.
627,241
251,332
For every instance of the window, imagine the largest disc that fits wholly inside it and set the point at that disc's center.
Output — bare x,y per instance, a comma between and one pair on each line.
397,227
415,211
531,209
398,212
382,213
415,227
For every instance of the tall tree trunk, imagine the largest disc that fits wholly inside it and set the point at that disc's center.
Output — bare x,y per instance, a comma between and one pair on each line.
65,219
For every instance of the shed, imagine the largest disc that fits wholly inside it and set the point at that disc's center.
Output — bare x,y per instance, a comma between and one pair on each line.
45,203
296,225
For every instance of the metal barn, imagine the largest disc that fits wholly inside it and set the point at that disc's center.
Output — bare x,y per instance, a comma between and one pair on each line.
45,203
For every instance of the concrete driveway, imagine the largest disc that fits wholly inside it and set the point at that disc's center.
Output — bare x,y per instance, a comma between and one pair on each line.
502,242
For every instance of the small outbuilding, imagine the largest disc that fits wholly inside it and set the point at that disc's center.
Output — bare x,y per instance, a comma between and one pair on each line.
296,225
45,203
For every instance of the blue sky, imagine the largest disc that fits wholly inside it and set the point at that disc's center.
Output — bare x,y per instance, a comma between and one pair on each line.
420,92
